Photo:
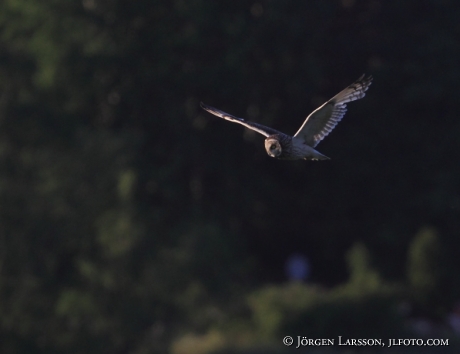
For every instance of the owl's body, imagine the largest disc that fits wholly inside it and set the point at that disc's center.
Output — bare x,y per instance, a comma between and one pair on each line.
292,148
315,128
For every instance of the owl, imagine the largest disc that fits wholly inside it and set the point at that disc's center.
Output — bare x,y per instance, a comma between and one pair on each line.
315,128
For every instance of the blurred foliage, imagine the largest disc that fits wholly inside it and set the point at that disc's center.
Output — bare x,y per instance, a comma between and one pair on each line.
133,222
423,271
358,308
365,306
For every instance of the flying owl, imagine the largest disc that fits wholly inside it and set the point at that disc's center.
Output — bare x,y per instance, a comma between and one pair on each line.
315,128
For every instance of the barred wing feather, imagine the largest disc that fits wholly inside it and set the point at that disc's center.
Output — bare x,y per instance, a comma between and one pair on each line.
324,119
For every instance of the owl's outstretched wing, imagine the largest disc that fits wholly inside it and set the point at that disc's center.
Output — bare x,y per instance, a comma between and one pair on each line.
323,119
265,131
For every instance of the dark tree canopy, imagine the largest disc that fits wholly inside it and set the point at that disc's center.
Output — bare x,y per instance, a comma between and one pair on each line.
131,221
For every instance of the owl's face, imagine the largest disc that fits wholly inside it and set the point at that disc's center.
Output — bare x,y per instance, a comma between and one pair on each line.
273,147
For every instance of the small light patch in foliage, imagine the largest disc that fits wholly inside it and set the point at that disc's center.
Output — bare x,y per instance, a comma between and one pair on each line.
89,4
118,233
198,344
424,254
257,10
362,276
94,274
126,184
75,303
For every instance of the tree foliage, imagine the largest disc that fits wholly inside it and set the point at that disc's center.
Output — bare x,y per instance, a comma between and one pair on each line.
129,217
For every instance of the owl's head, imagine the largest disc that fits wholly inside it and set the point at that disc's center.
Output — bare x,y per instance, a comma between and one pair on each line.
273,146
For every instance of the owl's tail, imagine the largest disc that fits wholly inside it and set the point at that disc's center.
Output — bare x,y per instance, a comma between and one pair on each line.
317,156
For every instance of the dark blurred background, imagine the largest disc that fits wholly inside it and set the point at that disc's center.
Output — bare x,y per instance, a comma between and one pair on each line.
131,221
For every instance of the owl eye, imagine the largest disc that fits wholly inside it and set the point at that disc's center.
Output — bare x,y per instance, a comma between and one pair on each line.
272,147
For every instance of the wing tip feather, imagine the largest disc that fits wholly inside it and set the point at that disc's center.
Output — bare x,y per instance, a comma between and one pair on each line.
365,82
